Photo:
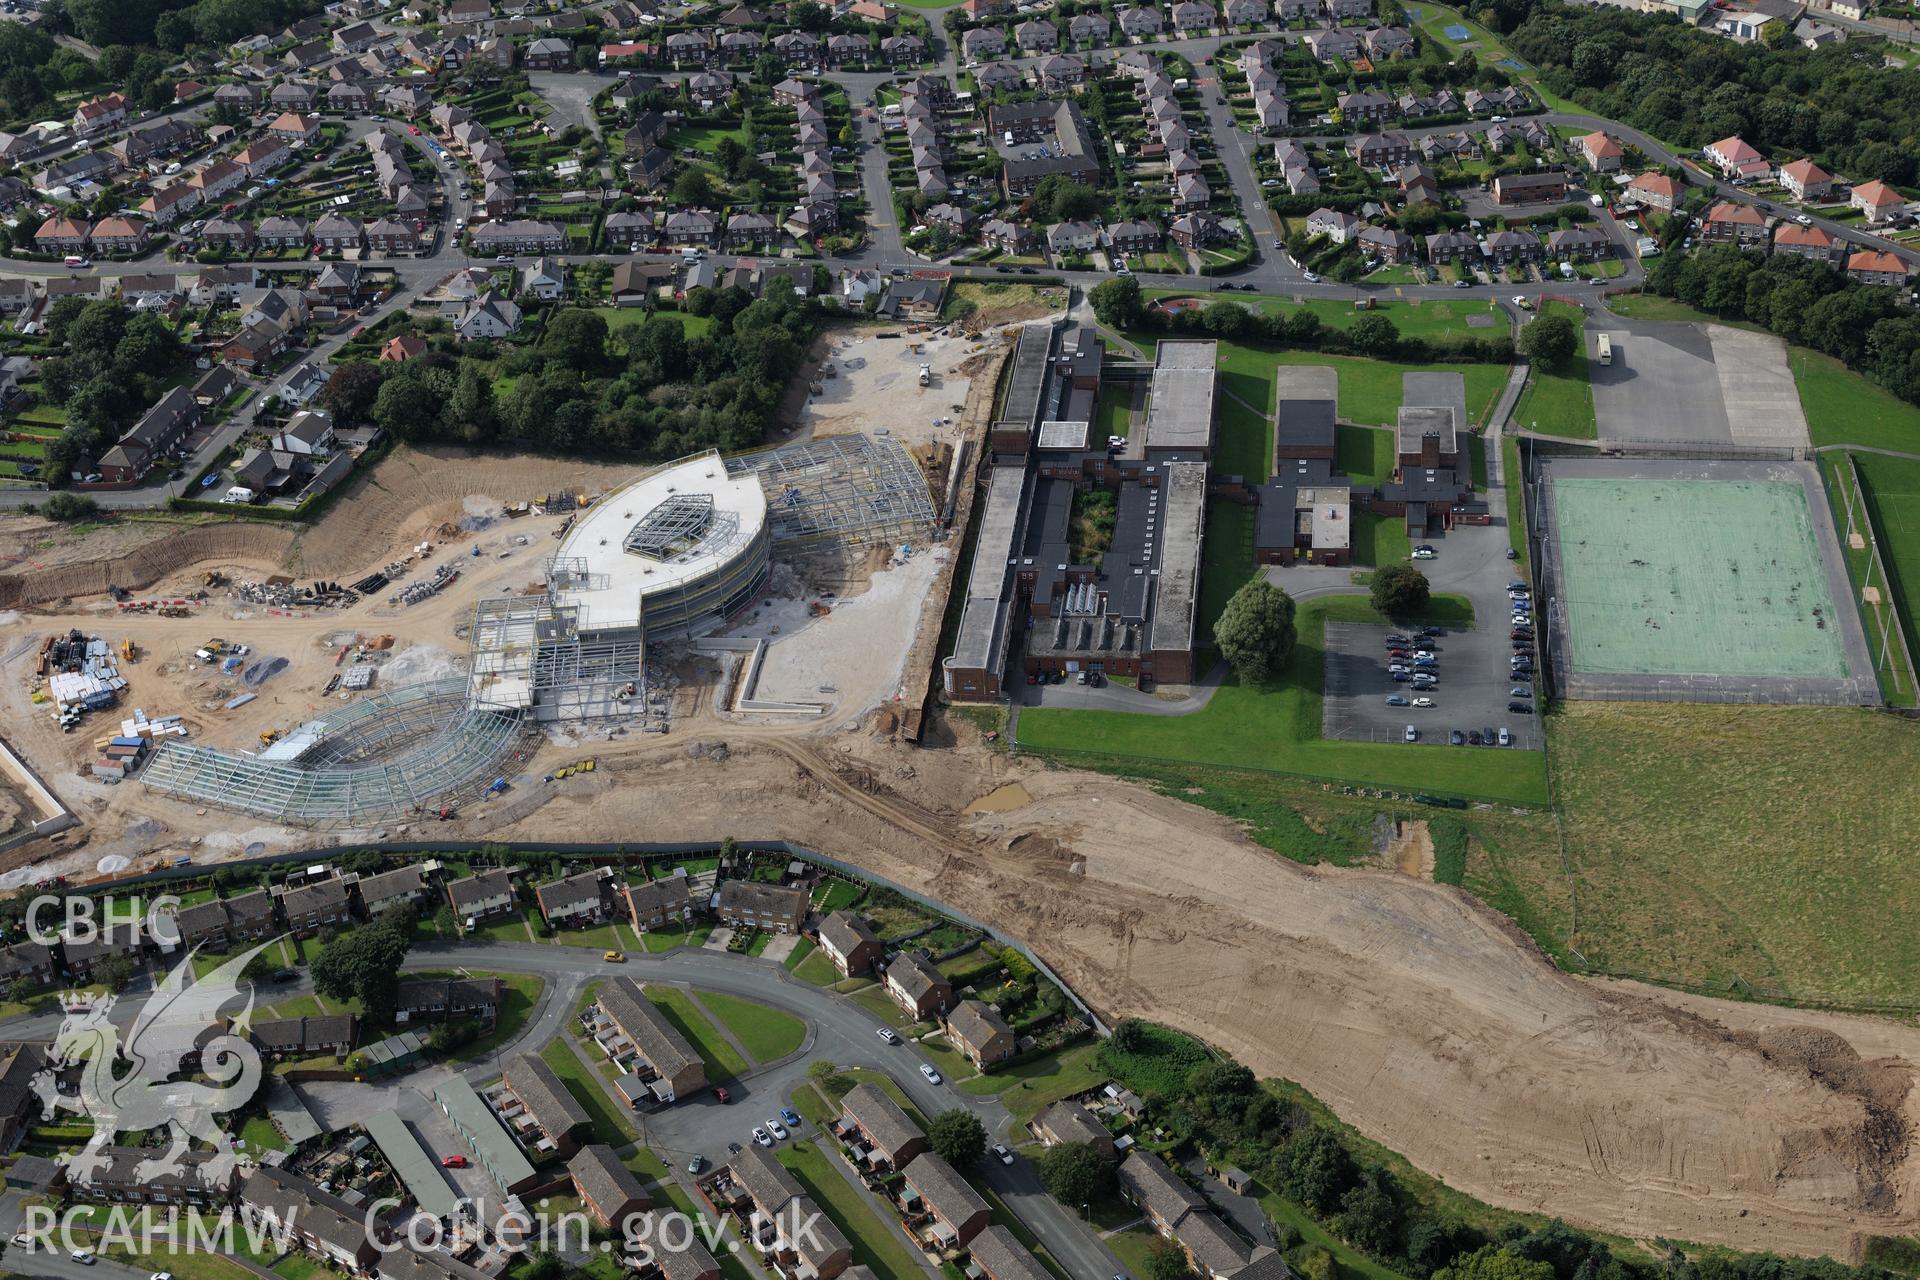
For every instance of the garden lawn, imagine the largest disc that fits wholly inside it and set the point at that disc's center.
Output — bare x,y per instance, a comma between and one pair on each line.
1364,455
608,1120
1276,727
723,1061
1893,495
817,968
658,940
1039,1082
764,1033
1379,539
1370,391
1844,408
877,1244
1559,401
259,1134
519,993
705,138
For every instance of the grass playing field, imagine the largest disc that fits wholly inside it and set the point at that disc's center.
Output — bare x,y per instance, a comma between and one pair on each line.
1844,408
1893,494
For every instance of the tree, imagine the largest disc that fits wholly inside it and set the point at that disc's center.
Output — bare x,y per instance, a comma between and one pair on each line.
1255,632
1315,1169
1775,34
1370,1217
1551,339
69,508
1400,591
1374,334
577,337
958,1137
1074,1173
363,964
1227,320
1491,1262
692,188
115,972
1165,1261
350,392
1059,198
407,407
1117,303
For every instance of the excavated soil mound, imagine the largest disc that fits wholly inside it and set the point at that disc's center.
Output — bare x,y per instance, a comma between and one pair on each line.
138,569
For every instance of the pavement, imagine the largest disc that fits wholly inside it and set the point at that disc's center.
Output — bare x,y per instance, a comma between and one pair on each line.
839,1031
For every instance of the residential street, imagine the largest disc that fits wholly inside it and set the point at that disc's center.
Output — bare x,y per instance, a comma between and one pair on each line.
840,1031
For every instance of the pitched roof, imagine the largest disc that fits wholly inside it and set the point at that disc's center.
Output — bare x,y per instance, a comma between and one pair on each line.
912,973
1875,193
1004,1257
1068,1121
844,930
880,1118
944,1190
625,1001
976,1022
1156,1187
1876,260
572,891
1805,171
479,887
1797,236
769,1185
546,1098
600,1176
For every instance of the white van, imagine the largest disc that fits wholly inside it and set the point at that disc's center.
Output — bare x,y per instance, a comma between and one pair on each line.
74,260
238,493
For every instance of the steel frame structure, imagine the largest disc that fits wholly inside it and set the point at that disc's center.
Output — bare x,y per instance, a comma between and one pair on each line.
853,489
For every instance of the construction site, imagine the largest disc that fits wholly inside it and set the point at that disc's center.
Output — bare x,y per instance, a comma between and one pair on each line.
1425,1019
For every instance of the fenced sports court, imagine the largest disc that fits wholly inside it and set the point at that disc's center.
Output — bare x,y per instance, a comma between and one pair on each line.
1707,577
1699,580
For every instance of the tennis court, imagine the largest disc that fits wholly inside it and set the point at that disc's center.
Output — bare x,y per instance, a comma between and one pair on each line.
1454,31
1695,577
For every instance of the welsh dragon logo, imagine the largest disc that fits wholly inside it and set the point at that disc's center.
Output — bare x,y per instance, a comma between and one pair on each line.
128,1088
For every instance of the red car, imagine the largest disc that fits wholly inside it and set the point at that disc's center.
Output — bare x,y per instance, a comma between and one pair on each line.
453,1162
721,1095
414,129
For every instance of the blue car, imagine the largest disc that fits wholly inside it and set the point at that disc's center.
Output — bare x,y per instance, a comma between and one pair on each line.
790,1116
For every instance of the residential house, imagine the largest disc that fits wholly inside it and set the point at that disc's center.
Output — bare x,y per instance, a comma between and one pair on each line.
98,115
1877,266
1654,191
549,53
315,905
893,1140
953,1211
1601,152
1736,159
903,50
261,156
995,76
276,1202
238,95
978,1031
402,886
1336,225
609,1190
1037,35
1069,1121
62,235
1191,17
690,227
747,904
557,1119
545,278
847,50
348,98
1876,199
1331,44
1198,229
1529,188
295,127
158,433
255,345
481,897
982,43
920,990
1381,150
1061,72
217,383
1158,1192
281,233
657,904
1008,237
133,1175
334,234
1142,22
307,1037
636,283
118,235
1730,222
1385,43
1088,29
1502,247
402,347
850,941
635,1026
1806,180
915,298
1385,245
408,101
748,229
1805,242
394,238
997,1254
1134,237
777,1201
1578,243
437,999
576,900
520,235
293,97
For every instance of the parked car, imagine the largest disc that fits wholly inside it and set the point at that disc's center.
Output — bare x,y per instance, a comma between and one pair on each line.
1424,553
1520,708
453,1162
790,1116
1457,738
778,1130
721,1095
1411,734
1423,702
1520,691
1396,700
1506,739
1001,1153
760,1138
696,1164
1473,737
933,1077
888,1034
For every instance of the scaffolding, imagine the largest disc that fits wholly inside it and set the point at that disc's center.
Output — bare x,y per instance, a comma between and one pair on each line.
853,489
534,655
417,749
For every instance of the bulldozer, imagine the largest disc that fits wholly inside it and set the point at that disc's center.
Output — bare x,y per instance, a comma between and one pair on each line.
269,736
129,652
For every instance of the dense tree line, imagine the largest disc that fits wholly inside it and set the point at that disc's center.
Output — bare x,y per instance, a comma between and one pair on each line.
175,24
1119,304
33,69
1229,1115
664,395
1841,104
114,362
1805,302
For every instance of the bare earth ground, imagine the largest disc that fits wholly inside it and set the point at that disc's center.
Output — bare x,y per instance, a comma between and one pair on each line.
1422,1017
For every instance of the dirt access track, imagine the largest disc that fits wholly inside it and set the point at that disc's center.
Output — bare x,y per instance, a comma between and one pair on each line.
1422,1017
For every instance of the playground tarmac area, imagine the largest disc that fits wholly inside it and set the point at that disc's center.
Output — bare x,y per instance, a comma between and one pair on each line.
1702,581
